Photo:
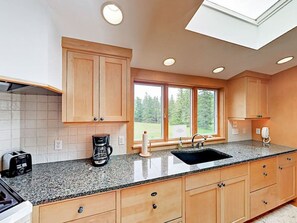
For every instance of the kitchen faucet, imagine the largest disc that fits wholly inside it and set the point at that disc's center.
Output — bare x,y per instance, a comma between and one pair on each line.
199,144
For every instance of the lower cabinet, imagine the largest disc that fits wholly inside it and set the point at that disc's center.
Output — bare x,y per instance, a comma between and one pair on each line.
222,202
157,202
108,217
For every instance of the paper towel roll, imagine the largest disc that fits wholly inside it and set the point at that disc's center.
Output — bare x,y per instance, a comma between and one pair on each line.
145,142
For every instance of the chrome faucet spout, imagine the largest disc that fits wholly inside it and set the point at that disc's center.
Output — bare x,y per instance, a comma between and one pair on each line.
199,143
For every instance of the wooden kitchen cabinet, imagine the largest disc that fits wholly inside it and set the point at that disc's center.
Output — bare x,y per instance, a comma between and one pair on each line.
95,82
248,98
216,202
84,209
157,202
286,177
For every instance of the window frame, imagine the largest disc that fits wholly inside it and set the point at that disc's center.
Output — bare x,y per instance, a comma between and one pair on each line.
194,109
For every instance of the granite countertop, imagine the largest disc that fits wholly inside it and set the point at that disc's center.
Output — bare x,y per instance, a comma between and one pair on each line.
68,179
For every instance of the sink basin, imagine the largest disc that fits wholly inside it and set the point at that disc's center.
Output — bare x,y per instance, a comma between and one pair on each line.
200,155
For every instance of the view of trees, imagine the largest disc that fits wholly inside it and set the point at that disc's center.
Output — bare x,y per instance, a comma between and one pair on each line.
149,109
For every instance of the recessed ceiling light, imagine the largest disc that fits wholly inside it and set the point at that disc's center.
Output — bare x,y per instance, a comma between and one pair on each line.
218,70
169,62
112,13
285,60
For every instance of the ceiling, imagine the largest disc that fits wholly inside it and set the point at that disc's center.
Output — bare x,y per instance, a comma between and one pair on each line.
155,30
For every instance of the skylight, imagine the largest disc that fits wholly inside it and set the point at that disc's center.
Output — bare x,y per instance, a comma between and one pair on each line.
249,23
249,8
252,11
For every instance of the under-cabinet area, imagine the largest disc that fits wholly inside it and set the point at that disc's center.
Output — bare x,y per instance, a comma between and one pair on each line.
236,193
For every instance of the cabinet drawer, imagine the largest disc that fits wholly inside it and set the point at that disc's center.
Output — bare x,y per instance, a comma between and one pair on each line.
262,173
107,217
202,179
175,221
88,206
263,200
158,202
287,159
234,171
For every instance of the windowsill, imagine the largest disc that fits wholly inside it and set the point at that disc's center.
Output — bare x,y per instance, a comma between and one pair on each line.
173,144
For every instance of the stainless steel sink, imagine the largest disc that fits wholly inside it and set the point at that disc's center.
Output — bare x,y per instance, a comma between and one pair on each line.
200,155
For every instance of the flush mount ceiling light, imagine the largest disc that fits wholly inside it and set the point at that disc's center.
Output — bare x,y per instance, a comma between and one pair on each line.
218,70
169,62
112,13
285,60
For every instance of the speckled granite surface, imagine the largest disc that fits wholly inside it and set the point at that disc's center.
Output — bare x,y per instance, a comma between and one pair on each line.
62,180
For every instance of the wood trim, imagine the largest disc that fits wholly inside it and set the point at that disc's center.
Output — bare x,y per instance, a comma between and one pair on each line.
249,73
165,113
83,45
35,214
194,111
64,85
31,83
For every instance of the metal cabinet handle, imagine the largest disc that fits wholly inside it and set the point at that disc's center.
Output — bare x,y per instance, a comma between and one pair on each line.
80,210
265,174
101,119
265,202
95,119
289,159
264,166
223,184
220,185
155,206
154,194
280,167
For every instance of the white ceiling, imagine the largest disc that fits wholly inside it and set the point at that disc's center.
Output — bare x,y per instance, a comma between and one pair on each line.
155,30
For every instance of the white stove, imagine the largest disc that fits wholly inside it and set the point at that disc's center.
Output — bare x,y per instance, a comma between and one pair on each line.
13,208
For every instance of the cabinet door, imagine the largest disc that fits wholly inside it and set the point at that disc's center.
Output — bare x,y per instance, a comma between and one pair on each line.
286,182
203,205
113,92
263,102
82,77
234,197
107,217
252,98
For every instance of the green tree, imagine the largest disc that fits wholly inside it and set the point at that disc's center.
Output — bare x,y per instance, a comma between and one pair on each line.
138,116
206,109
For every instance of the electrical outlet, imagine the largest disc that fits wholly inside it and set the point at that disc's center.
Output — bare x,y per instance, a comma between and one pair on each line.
121,140
235,131
58,144
258,131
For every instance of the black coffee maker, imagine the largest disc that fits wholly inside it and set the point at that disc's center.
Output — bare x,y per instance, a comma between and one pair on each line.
101,149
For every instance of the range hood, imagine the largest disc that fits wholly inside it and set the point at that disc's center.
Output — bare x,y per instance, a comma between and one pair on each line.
19,88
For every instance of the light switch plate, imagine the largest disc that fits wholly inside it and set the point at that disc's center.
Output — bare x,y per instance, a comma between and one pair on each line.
58,144
258,131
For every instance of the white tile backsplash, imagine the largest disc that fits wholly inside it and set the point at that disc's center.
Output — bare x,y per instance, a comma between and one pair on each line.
32,123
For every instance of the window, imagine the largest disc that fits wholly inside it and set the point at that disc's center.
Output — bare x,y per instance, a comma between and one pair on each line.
179,112
207,112
148,111
168,112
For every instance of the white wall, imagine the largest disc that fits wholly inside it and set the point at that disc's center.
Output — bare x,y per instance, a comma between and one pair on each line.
30,43
244,130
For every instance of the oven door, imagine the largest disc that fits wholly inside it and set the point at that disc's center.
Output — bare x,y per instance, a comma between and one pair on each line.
21,213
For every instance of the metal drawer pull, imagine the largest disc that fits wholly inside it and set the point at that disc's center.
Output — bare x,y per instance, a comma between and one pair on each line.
265,174
264,166
223,184
154,194
80,210
265,202
155,206
280,168
220,185
95,119
289,159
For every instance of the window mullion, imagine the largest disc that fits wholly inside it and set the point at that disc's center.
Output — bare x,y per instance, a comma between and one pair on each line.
194,111
165,112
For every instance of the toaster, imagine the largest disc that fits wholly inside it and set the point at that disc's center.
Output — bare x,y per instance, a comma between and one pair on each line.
16,163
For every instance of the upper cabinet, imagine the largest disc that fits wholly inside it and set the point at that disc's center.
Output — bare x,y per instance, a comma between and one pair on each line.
248,97
96,81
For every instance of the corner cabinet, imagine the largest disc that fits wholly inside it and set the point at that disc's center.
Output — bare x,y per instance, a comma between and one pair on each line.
95,85
248,98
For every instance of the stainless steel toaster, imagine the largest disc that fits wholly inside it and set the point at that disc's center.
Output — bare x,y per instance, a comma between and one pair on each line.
16,163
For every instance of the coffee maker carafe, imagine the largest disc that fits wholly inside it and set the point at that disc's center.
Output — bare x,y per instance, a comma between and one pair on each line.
101,149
